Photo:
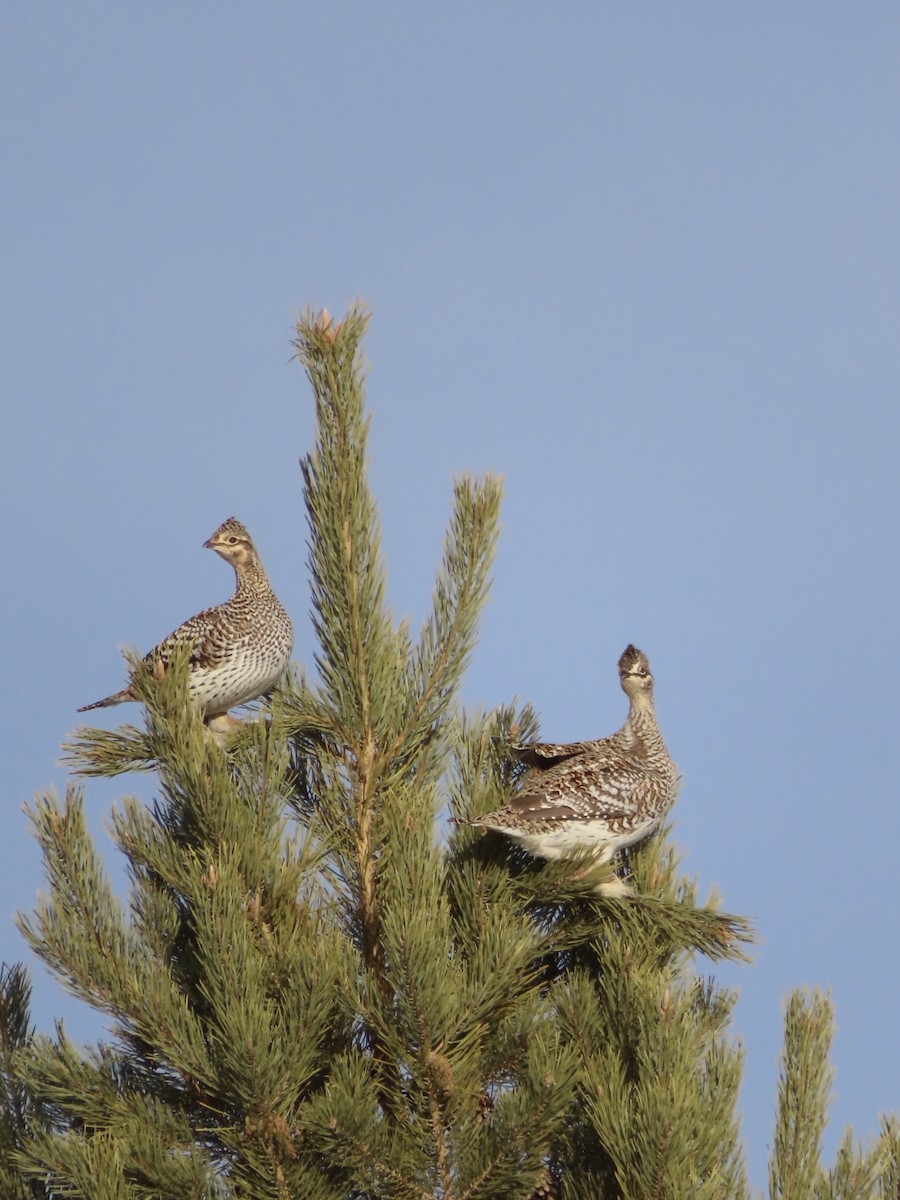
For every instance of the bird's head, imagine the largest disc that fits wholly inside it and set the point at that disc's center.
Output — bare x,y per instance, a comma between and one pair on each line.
634,672
232,541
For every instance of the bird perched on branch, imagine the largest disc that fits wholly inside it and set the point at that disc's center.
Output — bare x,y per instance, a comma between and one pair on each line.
240,648
599,795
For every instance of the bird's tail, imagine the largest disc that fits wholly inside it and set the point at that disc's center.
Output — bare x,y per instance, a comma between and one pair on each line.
107,701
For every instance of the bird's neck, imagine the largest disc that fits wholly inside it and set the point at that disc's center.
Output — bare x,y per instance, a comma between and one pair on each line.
251,579
641,727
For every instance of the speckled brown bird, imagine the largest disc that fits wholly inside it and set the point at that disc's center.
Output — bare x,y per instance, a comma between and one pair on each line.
240,648
596,795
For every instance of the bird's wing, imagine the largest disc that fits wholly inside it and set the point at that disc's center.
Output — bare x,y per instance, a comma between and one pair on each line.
547,754
199,633
605,784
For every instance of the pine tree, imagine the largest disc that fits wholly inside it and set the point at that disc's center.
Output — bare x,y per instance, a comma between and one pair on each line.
325,984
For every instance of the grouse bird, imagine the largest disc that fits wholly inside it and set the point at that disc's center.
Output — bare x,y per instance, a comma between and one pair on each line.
597,795
239,648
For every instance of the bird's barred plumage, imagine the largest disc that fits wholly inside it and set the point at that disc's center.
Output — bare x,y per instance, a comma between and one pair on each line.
597,795
239,649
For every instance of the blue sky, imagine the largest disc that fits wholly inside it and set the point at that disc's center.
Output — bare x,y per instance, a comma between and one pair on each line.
642,260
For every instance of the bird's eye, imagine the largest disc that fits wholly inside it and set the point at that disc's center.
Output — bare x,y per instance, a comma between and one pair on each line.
643,672
233,542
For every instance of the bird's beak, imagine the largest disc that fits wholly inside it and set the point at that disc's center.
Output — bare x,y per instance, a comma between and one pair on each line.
208,544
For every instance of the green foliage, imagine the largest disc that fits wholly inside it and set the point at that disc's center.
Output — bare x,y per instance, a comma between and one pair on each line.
23,1114
795,1168
324,983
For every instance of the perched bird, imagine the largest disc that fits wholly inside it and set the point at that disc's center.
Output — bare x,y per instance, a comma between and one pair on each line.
239,648
597,795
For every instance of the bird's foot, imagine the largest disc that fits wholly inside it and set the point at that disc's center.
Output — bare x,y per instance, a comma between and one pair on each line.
610,886
614,889
221,728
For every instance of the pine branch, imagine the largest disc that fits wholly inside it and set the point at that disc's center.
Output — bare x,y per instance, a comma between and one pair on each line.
889,1150
511,1151
78,928
123,1140
105,753
22,1114
857,1172
358,646
361,657
660,1083
448,636
15,1032
795,1169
